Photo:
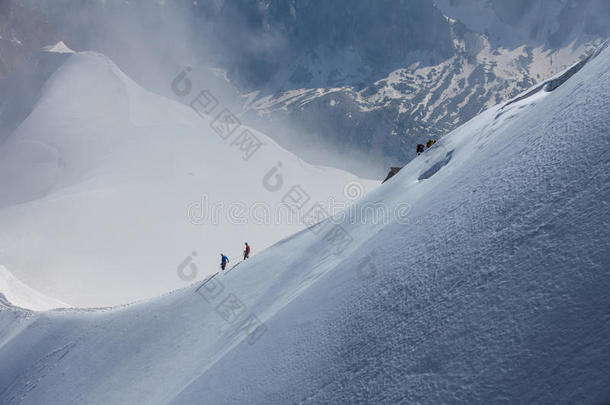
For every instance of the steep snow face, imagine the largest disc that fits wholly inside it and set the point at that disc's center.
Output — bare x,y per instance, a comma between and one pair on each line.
488,284
108,189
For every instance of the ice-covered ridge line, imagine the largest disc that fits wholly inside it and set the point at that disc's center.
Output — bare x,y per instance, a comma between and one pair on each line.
556,81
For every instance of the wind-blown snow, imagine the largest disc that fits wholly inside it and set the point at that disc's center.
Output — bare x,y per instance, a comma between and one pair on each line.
100,179
495,291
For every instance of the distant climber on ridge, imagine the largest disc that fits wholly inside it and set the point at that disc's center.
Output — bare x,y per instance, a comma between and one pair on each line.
247,251
223,261
430,143
420,149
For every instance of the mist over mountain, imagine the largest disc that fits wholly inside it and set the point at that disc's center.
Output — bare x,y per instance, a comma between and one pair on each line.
192,211
484,280
423,68
366,80
23,31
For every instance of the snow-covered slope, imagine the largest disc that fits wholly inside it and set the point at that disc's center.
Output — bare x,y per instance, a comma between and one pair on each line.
16,293
107,188
20,90
489,285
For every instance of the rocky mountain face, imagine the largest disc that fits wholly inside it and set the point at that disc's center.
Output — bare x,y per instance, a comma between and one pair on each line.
367,80
385,76
296,44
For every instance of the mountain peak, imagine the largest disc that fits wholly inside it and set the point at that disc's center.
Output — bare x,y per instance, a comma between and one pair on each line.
59,47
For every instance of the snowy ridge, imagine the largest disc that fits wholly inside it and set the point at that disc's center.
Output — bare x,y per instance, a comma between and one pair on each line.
491,287
15,293
136,182
19,91
560,78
